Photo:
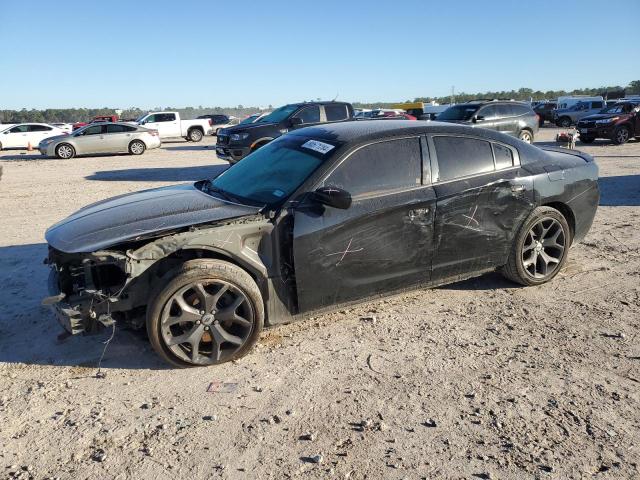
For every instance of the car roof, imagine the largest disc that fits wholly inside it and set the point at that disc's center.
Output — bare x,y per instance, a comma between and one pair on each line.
356,131
322,102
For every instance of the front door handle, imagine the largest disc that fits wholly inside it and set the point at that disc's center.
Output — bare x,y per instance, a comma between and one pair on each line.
417,212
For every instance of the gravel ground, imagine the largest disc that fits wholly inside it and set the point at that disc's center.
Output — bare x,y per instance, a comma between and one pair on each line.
479,379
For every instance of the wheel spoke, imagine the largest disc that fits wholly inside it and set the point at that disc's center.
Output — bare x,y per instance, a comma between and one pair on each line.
221,335
192,337
228,313
185,307
205,298
548,258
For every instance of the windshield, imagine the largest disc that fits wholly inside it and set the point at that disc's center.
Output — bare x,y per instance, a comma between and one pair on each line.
459,112
269,175
618,108
279,114
249,119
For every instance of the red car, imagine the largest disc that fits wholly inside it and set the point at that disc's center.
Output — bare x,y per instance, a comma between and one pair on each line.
99,118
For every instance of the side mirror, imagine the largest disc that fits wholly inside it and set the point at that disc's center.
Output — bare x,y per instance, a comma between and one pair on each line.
333,197
478,118
295,121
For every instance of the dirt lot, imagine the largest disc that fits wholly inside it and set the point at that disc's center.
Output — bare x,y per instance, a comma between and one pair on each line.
480,379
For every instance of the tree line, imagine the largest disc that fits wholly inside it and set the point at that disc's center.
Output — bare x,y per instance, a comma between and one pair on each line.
70,115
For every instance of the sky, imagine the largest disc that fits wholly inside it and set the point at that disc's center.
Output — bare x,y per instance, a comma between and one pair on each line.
146,54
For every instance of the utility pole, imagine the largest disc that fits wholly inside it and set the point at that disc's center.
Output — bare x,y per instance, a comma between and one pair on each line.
453,95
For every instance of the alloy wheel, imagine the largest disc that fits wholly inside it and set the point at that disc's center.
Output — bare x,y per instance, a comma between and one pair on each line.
137,148
525,136
543,248
622,135
65,151
207,322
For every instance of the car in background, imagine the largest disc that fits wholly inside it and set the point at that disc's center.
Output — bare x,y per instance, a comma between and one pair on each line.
321,217
565,117
507,116
65,127
544,110
568,101
23,135
170,125
235,143
618,123
386,115
219,121
99,118
100,138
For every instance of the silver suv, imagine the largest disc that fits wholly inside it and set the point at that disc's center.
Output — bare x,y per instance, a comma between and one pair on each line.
565,117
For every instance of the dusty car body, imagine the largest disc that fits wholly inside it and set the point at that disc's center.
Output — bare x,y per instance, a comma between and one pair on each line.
101,138
322,216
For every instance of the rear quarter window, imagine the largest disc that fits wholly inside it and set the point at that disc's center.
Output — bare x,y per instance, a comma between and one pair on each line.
336,112
460,157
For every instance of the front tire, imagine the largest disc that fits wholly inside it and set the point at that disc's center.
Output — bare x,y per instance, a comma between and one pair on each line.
65,151
205,312
526,136
137,147
540,248
621,135
564,122
195,135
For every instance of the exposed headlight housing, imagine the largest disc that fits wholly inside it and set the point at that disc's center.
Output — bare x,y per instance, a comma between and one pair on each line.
607,120
236,137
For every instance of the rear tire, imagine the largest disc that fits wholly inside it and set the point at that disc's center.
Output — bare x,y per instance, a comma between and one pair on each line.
64,151
526,136
564,122
137,147
540,248
195,135
621,135
210,304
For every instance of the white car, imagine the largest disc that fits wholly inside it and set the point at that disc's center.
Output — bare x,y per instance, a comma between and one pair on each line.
65,127
169,125
24,134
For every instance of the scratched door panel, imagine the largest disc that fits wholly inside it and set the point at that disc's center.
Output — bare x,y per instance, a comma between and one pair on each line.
477,219
377,245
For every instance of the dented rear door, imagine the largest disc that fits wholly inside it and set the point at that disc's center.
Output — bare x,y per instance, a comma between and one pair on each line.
481,202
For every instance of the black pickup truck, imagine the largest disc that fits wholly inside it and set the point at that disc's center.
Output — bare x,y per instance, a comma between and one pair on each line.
235,143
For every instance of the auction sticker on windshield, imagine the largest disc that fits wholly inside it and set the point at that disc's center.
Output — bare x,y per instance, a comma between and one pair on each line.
317,146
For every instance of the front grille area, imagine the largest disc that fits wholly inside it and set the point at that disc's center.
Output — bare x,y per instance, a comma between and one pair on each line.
222,139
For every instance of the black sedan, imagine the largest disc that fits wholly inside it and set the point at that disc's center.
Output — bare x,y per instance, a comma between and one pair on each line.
322,216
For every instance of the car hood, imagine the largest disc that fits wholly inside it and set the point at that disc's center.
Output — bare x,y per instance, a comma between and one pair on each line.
600,116
247,127
138,215
55,138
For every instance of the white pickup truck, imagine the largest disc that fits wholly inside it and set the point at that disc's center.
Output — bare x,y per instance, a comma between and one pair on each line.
169,125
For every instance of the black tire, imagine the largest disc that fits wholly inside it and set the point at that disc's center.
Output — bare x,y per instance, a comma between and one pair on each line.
564,122
256,147
195,135
64,151
517,269
526,136
137,147
193,282
587,139
217,130
621,135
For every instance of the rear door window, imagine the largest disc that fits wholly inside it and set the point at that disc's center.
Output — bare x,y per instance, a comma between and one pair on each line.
117,128
19,129
309,114
397,165
504,111
461,156
335,113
